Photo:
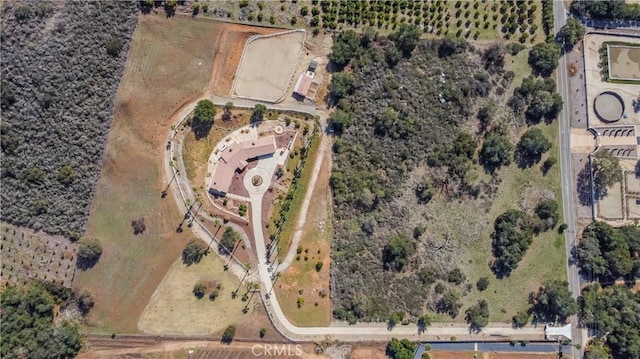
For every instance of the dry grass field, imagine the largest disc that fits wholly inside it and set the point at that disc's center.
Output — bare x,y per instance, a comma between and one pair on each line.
315,243
174,309
170,64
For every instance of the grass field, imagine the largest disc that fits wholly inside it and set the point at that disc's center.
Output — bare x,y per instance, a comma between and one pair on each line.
174,309
169,64
315,243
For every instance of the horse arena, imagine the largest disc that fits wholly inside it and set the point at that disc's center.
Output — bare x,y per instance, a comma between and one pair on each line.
268,65
624,62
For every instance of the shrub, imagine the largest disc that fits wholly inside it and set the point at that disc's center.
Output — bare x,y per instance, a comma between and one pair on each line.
263,332
229,239
456,276
138,226
482,284
319,265
228,334
89,252
193,252
396,253
199,290
242,209
114,46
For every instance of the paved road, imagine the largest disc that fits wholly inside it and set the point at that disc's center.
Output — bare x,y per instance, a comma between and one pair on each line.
568,203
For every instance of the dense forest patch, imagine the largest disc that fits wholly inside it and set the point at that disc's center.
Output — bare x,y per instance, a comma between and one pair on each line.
422,128
61,65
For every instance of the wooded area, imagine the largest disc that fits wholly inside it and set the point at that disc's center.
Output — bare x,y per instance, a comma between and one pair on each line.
61,65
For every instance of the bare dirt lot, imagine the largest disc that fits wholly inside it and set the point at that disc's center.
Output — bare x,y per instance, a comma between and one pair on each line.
624,62
267,77
35,255
170,64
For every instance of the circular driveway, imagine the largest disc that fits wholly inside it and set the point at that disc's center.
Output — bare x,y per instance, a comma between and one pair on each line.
263,187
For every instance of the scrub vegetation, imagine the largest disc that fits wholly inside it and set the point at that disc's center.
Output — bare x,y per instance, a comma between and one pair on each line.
61,65
421,128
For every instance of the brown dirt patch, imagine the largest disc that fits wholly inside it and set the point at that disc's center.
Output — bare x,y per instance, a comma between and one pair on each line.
368,353
230,44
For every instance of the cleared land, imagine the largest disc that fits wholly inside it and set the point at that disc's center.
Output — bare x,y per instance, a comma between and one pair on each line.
170,63
315,247
30,255
267,66
624,62
173,309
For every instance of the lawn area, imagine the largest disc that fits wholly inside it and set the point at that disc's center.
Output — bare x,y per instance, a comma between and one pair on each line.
174,309
315,247
169,64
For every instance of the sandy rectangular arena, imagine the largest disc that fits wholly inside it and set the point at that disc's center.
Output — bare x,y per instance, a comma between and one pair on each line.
267,66
624,62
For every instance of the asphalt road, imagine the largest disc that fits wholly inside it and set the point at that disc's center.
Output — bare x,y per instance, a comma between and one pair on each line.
568,203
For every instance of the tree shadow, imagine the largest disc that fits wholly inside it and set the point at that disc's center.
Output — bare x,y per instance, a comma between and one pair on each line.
84,264
201,129
525,160
583,186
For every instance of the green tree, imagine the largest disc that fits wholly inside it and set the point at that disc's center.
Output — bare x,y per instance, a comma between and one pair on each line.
342,84
605,251
482,284
456,276
89,252
544,57
66,175
606,171
613,312
521,319
229,239
228,334
449,303
396,253
203,117
199,290
228,107
28,329
340,120
258,112
401,349
496,152
396,318
406,38
553,301
533,144
114,46
572,32
346,45
477,316
548,211
424,321
263,332
193,252
543,104
510,242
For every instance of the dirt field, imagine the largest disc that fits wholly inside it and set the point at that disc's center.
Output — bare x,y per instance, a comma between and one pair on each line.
35,255
624,62
368,352
315,241
170,64
595,85
203,350
267,78
173,309
610,207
